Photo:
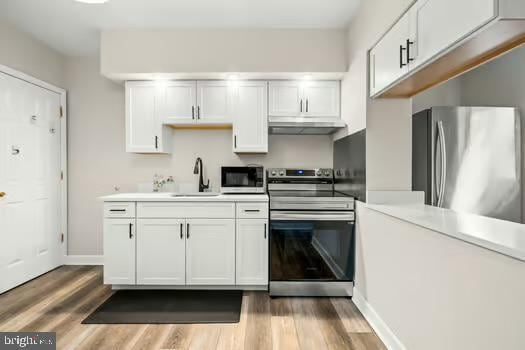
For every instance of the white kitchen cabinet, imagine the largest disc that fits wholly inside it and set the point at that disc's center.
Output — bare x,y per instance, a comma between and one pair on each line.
178,101
250,127
307,98
285,99
388,61
210,251
119,251
321,99
436,25
161,249
214,102
252,252
144,130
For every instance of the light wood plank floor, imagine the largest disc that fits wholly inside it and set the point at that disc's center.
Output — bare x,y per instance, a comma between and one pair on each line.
59,300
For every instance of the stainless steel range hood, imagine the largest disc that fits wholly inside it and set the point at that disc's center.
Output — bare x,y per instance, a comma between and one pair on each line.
304,126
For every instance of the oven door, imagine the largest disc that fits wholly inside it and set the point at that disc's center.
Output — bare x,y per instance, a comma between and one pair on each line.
312,246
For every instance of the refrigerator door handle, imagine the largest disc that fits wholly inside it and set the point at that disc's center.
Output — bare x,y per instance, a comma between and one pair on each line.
443,174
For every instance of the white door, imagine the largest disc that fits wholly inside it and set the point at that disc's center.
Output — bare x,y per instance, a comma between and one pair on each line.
252,252
179,102
119,251
29,181
161,250
214,102
210,251
143,127
321,99
388,61
436,25
285,99
250,128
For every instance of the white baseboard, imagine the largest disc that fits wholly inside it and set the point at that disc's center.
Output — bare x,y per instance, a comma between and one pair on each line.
83,260
380,327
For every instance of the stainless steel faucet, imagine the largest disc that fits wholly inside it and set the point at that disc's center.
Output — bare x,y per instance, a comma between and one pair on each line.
198,170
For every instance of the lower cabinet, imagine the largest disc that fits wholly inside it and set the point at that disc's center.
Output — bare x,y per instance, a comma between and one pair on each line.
119,251
161,249
210,251
252,252
186,251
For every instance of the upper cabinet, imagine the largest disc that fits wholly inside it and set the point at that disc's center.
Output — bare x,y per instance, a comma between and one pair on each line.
250,127
144,130
196,102
320,99
438,39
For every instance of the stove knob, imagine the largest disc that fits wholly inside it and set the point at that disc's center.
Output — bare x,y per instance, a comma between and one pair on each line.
327,173
274,173
319,173
281,173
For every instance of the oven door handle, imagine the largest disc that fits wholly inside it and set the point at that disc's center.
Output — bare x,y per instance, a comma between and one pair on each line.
312,216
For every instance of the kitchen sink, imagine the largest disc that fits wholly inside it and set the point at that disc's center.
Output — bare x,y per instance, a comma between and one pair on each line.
196,194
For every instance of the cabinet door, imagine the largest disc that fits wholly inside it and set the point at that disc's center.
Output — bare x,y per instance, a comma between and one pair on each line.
388,57
179,102
436,25
210,251
250,129
321,99
143,126
285,99
161,249
119,251
252,252
213,102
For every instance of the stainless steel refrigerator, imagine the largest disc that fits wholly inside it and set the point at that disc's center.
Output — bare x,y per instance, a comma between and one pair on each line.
468,159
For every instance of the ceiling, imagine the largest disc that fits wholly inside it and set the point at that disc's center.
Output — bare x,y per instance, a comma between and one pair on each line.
73,28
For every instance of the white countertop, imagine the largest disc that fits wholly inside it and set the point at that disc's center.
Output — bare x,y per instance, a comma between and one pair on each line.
505,237
168,197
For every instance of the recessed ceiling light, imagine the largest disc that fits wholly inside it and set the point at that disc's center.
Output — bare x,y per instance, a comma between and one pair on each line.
92,1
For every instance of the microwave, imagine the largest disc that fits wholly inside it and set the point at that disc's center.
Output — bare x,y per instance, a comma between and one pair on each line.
242,179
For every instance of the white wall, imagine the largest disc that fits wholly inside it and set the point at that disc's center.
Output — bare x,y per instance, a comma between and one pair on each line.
98,161
128,51
387,121
22,52
435,292
446,94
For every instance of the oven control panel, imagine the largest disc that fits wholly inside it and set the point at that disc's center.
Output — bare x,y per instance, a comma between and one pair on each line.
298,173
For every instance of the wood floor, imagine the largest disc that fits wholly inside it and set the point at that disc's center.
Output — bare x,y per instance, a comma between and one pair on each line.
60,300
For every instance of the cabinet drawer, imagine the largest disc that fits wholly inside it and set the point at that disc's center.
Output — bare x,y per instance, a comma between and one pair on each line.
206,210
252,210
119,209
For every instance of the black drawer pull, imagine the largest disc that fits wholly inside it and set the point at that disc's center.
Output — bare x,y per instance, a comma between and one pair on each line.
117,210
251,210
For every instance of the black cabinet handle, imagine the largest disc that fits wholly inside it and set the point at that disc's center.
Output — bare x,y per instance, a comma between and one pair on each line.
181,236
409,59
198,112
251,210
187,231
264,231
235,141
401,50
192,112
306,105
156,142
130,231
117,210
301,105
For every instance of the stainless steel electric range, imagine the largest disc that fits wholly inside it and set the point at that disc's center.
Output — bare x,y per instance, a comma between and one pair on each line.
312,239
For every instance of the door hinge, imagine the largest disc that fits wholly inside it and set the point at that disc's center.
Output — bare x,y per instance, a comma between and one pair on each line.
61,112
62,237
61,175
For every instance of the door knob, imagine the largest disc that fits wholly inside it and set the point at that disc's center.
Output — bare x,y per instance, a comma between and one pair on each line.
2,194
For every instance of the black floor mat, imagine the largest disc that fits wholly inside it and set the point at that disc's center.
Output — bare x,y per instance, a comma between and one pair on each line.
169,306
